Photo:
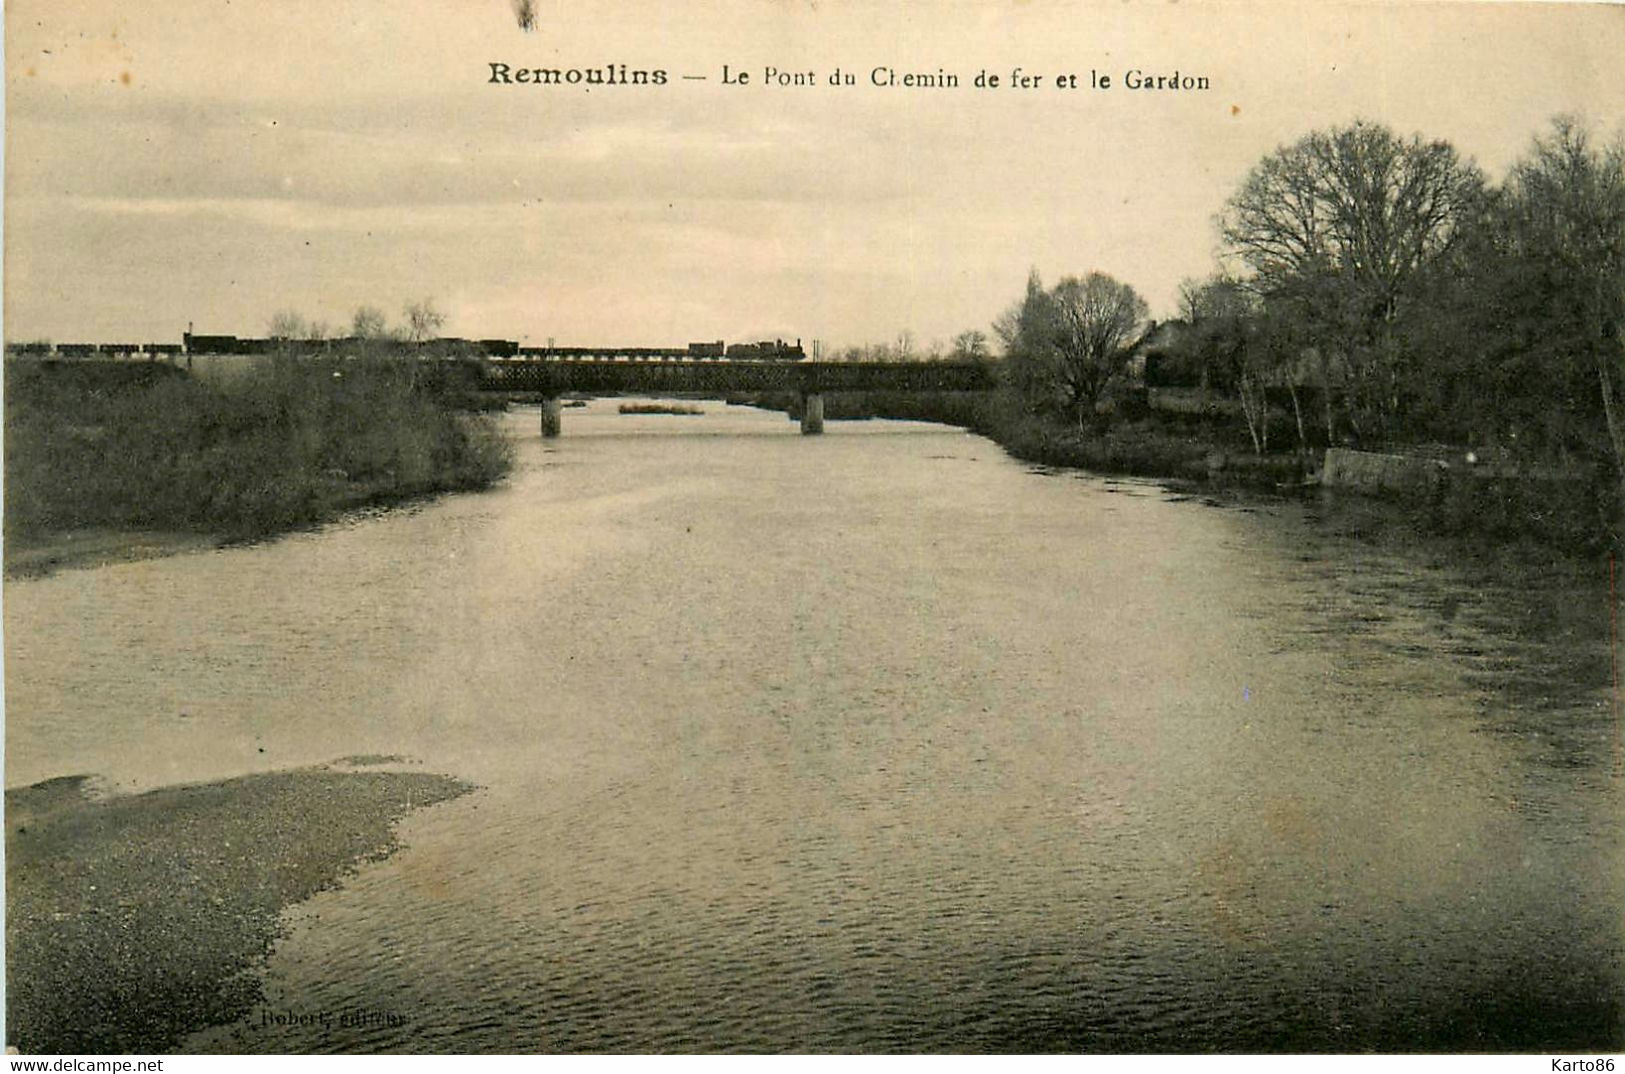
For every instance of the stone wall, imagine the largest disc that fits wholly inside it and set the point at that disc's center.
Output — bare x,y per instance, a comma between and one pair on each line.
1368,471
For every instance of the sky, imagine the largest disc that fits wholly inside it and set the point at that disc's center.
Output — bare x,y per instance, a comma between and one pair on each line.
210,162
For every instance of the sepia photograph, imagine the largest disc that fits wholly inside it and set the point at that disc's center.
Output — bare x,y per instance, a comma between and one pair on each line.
814,527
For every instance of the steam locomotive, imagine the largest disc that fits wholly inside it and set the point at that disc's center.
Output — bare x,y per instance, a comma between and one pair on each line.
766,351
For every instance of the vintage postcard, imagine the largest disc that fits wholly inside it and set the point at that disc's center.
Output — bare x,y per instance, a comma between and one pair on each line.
814,527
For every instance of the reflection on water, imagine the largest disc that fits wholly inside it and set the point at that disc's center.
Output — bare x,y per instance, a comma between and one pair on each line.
879,741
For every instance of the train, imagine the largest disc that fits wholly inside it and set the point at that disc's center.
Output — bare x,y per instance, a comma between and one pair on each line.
94,350
768,350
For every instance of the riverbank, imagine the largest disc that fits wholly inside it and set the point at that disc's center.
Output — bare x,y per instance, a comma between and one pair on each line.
133,921
90,455
1142,446
1498,504
45,554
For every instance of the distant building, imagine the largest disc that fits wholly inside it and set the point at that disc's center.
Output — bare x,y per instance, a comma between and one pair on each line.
1155,359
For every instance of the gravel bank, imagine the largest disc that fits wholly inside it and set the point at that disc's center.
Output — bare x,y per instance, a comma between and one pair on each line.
38,556
133,921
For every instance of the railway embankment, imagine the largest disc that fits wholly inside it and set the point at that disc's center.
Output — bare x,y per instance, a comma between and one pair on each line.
122,461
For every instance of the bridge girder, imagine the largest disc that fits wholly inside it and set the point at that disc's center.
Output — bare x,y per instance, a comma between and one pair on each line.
557,377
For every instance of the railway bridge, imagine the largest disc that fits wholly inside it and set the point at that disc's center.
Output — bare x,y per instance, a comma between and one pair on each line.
551,378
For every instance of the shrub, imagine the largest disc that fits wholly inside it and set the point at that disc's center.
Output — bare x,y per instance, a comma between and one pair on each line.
291,441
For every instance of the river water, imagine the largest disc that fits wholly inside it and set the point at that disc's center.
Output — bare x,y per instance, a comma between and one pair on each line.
882,741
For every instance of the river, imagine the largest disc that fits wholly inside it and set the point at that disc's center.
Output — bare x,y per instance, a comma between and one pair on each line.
881,741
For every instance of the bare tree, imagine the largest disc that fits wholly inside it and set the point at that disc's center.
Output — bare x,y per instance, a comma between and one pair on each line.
1100,319
1219,312
1565,218
903,349
287,324
1211,310
971,345
1073,341
369,323
1342,222
423,320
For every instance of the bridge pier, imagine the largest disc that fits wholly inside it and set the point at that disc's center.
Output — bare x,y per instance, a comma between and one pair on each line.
552,417
812,414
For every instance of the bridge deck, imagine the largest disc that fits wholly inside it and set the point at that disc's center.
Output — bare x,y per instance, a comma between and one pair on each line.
654,371
552,376
602,353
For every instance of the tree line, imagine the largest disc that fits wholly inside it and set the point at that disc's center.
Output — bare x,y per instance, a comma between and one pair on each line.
420,321
1383,292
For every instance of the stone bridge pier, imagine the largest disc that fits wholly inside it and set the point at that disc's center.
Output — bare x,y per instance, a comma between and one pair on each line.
552,417
812,413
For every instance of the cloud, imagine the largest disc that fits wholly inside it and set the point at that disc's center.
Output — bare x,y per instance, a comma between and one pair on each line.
320,155
72,145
